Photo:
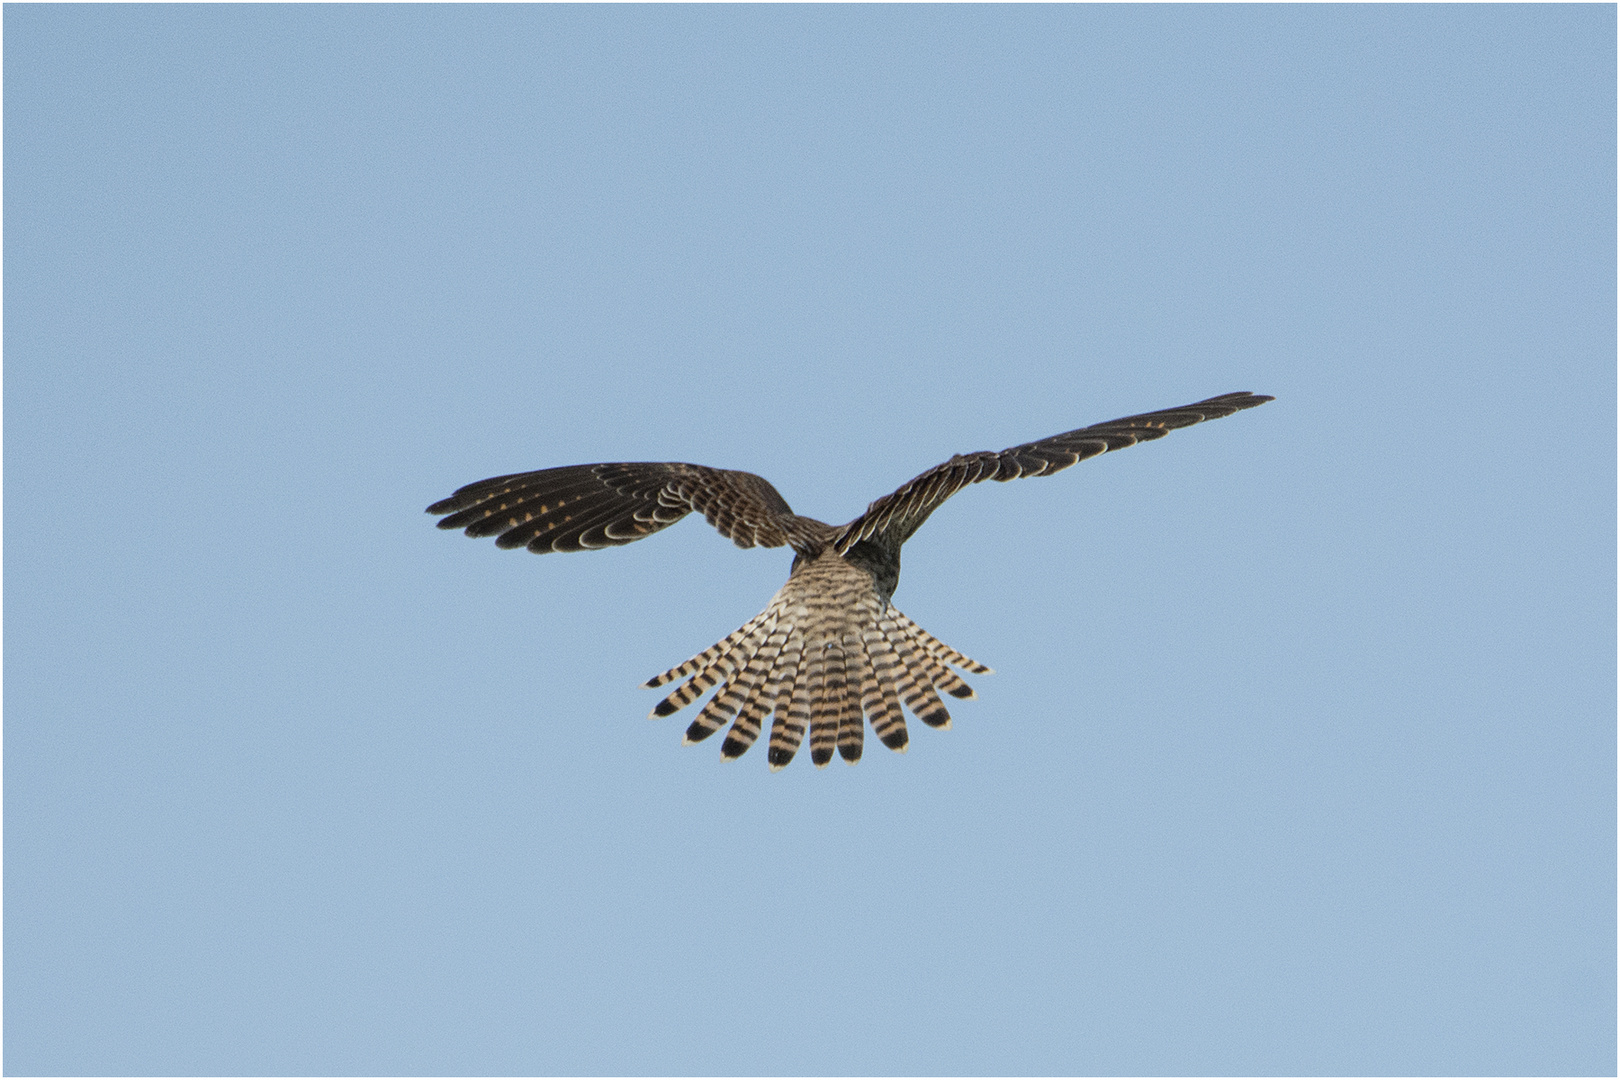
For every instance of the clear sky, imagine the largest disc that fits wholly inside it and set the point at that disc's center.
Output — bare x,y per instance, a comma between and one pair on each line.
1300,752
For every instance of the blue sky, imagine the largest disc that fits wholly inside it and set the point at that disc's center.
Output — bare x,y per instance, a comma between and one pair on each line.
1300,752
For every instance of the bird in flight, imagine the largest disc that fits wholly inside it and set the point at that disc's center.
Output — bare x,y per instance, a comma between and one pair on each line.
831,650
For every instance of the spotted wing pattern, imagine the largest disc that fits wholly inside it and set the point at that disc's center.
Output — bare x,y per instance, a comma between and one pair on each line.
896,516
826,654
581,507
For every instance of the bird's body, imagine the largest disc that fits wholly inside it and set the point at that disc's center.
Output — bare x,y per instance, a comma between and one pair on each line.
830,650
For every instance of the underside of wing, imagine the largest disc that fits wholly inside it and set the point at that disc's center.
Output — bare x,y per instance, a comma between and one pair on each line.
582,507
896,516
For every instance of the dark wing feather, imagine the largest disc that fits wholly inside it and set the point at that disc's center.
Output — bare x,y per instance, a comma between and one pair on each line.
895,517
581,507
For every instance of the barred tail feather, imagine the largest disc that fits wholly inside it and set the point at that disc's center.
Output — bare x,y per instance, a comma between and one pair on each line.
934,668
720,668
915,682
746,728
792,717
739,695
829,705
739,689
828,653
942,651
710,655
857,684
888,721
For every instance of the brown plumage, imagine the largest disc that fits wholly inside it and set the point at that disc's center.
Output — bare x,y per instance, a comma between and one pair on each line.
830,651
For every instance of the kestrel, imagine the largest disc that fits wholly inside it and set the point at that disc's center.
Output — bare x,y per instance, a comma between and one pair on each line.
830,650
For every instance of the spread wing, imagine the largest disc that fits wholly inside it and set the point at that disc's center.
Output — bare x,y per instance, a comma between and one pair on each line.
581,507
895,517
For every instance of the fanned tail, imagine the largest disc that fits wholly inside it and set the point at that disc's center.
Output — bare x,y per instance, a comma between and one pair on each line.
827,654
